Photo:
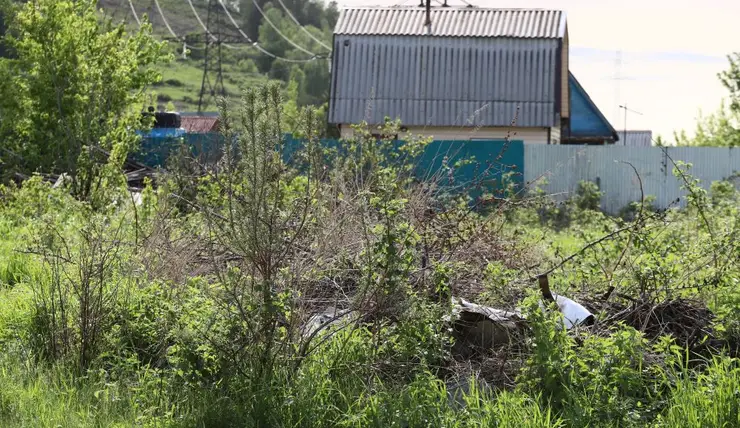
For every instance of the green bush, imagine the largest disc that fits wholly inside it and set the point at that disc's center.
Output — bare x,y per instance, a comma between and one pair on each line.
588,196
598,381
723,193
173,82
632,210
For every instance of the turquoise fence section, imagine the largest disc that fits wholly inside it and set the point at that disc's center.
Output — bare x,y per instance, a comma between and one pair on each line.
154,151
472,167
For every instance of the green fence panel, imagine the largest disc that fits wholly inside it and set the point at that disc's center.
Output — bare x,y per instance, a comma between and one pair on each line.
473,167
154,151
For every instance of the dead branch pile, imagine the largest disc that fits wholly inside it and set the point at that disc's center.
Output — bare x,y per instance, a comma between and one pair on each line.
687,321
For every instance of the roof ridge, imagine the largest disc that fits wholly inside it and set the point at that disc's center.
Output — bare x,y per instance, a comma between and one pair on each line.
453,22
447,8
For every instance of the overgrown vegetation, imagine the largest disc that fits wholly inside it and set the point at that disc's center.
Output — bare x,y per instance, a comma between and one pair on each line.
158,313
318,286
72,97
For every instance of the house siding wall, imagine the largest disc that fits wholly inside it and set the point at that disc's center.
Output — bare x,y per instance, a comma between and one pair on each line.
564,84
445,81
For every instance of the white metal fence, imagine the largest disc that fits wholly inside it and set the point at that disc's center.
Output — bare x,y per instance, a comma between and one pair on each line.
563,167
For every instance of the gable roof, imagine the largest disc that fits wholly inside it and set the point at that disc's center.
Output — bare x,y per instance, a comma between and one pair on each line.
585,117
200,124
452,22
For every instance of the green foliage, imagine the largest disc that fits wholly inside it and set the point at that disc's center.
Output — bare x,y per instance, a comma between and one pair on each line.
719,129
93,332
3,49
722,128
708,399
583,204
73,303
731,80
599,381
723,193
72,95
633,209
588,196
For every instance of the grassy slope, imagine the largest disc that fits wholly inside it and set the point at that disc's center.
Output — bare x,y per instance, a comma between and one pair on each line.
182,78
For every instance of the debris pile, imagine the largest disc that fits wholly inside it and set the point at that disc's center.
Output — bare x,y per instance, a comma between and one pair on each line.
689,322
477,328
482,331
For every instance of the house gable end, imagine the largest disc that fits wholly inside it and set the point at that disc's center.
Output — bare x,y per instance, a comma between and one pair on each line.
586,120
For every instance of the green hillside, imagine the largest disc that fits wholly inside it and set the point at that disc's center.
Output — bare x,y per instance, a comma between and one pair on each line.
242,64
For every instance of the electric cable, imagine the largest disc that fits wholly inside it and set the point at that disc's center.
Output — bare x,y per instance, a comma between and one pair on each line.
257,46
195,12
136,16
302,27
167,24
277,30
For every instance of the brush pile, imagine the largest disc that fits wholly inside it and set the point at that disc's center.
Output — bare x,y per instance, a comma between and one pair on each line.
688,321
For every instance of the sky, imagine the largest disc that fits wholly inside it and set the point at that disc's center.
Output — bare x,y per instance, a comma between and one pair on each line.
671,53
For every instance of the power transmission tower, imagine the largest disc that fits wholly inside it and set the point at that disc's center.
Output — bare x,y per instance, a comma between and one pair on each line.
212,84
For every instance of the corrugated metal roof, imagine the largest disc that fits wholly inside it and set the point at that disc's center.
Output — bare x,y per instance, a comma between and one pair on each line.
452,22
200,124
444,81
635,138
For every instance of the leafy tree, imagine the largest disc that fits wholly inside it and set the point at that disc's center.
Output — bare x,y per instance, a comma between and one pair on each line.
251,17
331,14
3,50
271,40
310,13
719,129
731,79
73,95
317,82
313,16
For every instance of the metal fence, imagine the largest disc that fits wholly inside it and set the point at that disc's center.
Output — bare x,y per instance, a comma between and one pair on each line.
559,169
473,167
155,150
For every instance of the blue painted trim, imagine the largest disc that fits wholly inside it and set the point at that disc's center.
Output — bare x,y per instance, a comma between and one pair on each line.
578,91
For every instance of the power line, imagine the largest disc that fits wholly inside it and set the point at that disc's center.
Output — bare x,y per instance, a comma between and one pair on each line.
233,21
167,24
257,46
199,20
138,21
195,12
264,15
302,27
136,16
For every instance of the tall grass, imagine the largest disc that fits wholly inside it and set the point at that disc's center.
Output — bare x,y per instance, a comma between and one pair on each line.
706,399
205,328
